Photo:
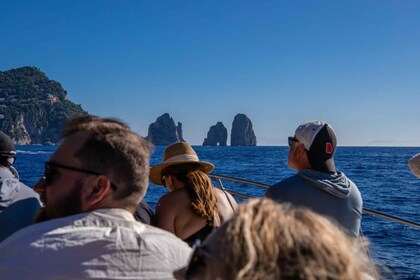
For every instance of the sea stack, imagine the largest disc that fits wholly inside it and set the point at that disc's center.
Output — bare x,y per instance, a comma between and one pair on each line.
217,135
164,132
242,132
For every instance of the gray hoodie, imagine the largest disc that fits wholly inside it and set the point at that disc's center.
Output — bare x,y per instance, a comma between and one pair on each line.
332,195
336,184
18,204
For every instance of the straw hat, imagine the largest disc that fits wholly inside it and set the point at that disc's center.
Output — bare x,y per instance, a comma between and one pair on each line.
177,153
414,164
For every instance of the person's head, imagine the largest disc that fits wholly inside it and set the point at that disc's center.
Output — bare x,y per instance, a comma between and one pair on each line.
100,163
7,150
181,168
313,146
414,164
268,240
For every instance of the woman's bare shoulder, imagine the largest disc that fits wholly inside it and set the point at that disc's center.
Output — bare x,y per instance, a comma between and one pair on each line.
178,195
226,199
223,194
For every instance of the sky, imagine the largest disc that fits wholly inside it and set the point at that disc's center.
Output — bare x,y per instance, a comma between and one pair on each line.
354,64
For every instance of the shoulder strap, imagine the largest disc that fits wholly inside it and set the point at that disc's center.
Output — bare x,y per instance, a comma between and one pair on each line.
230,203
14,172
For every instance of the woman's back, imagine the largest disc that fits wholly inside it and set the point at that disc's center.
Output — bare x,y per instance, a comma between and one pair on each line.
174,213
193,208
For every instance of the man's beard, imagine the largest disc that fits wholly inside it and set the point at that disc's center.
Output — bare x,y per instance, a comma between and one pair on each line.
70,205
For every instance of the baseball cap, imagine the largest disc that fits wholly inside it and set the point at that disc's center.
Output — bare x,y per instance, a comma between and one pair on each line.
320,142
7,150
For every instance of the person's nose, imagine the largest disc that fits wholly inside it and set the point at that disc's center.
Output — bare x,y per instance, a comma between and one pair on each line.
39,187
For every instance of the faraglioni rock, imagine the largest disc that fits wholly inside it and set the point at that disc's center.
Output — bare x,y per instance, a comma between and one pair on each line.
217,135
164,132
33,108
242,132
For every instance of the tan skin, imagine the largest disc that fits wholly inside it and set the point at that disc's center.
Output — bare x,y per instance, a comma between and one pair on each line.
298,159
174,213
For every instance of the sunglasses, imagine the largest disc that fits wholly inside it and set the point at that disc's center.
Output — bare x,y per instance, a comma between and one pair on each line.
292,140
162,179
51,173
197,259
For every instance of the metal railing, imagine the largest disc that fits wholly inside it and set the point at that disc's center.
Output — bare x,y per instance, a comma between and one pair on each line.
219,178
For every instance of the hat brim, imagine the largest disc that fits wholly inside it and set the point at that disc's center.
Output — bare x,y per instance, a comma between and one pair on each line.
156,171
414,164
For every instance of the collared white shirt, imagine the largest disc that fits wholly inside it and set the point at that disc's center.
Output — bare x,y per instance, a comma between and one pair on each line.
103,244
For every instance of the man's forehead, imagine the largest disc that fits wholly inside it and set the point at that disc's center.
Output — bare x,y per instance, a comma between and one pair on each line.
68,146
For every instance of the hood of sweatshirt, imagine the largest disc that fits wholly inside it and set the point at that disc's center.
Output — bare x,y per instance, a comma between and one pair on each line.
12,190
336,184
9,188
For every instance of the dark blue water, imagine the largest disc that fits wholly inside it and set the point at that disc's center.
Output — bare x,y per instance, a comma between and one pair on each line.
381,173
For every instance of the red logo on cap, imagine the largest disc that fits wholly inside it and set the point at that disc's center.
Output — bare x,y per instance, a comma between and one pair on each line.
328,148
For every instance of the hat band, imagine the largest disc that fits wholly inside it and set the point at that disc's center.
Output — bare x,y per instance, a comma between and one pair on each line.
183,157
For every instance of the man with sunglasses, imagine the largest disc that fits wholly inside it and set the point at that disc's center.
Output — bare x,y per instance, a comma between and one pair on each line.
18,202
92,185
318,185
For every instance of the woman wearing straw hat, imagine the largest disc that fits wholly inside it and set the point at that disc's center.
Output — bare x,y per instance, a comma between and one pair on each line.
193,208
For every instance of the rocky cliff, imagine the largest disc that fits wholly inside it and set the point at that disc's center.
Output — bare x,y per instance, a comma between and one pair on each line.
33,108
217,135
242,132
164,131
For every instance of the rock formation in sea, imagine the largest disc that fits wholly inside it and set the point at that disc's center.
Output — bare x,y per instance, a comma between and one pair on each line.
217,135
33,108
164,131
242,132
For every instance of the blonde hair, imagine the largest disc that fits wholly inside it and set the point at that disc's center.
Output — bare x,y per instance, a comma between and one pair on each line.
267,240
199,186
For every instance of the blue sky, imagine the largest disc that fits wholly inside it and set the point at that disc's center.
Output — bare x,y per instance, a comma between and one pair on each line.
354,64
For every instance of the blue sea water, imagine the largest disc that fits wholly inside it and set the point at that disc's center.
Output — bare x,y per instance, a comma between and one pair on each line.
381,173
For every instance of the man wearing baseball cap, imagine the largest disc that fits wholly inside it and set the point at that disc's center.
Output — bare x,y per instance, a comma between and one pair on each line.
318,185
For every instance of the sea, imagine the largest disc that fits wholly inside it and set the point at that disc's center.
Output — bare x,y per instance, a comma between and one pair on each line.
381,173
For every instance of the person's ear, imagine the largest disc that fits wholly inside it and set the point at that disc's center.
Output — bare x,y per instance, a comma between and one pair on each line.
303,157
170,182
98,190
301,149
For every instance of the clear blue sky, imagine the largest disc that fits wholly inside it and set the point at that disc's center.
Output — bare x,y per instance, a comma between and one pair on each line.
354,64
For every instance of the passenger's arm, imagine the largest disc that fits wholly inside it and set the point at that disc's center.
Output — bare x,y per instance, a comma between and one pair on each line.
165,214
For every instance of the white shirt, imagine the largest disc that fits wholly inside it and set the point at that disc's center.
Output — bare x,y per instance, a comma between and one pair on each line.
103,244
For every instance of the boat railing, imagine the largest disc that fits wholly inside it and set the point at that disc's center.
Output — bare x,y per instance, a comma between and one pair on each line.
219,178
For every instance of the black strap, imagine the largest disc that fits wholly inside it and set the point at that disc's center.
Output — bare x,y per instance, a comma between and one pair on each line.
230,203
14,172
